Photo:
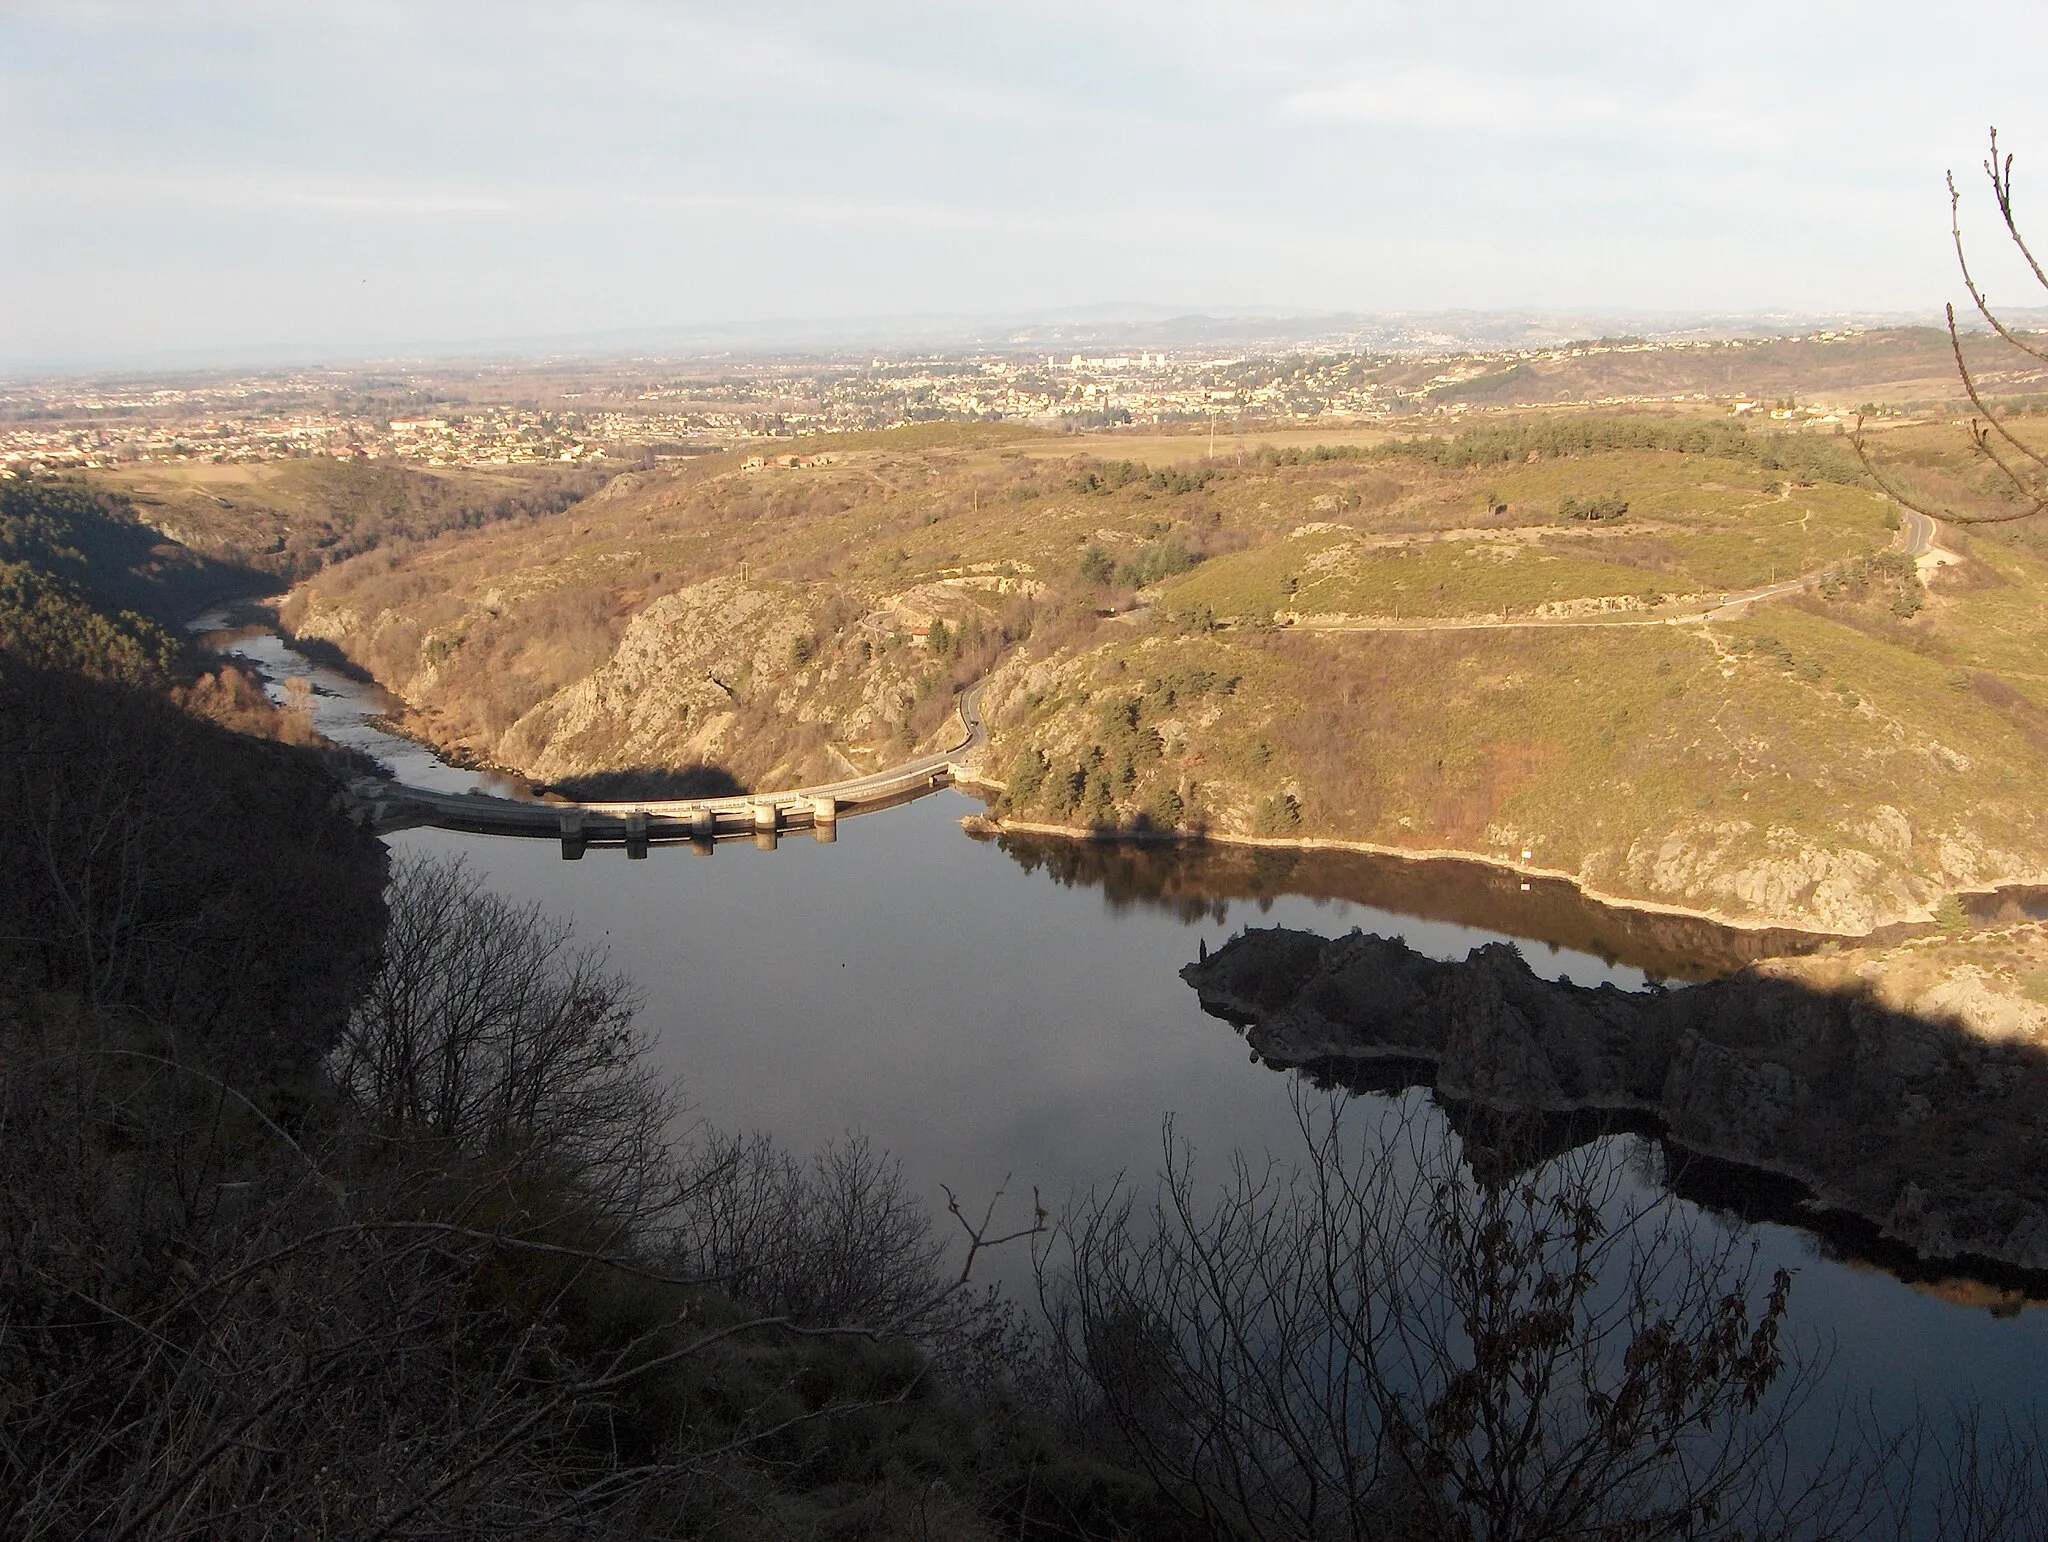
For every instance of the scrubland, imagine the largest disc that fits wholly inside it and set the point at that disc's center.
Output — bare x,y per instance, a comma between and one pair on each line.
1486,642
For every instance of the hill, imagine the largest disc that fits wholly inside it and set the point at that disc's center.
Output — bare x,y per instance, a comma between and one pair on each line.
1509,640
1895,367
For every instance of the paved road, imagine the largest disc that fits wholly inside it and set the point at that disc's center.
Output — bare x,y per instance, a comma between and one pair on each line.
970,721
1916,534
1919,534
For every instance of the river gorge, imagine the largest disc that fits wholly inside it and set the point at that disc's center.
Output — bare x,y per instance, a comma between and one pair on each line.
1008,1013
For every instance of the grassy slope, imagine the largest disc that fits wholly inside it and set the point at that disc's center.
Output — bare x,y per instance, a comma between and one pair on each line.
1688,765
1694,524
1824,763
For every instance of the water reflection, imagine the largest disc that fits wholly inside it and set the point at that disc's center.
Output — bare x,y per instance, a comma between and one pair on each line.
1916,1130
1198,881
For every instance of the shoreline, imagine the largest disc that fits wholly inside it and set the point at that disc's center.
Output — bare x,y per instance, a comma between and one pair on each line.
1711,1070
411,723
1888,934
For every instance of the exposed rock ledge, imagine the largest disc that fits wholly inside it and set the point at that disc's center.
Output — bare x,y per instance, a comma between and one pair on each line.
1927,1116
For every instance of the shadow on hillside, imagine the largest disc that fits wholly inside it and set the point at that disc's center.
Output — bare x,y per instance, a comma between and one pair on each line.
1905,1140
326,654
652,782
162,865
66,530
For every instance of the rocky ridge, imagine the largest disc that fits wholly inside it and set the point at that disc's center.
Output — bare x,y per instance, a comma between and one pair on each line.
1907,1086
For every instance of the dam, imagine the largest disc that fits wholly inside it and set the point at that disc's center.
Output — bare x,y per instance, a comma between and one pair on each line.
636,825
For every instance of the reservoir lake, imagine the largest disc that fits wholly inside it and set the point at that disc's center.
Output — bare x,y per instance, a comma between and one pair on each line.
1009,1014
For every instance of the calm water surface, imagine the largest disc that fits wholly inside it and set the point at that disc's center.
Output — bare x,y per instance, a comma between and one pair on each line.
992,1017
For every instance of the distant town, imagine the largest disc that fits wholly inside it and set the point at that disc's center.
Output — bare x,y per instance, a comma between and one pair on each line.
527,414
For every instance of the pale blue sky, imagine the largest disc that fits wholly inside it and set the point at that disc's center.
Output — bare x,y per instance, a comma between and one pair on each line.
221,176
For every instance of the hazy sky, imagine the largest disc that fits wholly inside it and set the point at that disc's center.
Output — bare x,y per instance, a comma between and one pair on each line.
220,176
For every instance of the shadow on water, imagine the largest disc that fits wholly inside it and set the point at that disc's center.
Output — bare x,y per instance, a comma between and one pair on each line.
653,782
319,651
1900,1141
1195,880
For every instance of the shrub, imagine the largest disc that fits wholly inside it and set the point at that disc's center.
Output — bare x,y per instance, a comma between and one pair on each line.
1280,815
1168,808
1096,567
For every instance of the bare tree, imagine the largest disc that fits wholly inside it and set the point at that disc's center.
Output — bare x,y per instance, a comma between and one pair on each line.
837,1239
2021,470
201,1340
469,1292
1384,1343
489,1032
1961,1476
841,1239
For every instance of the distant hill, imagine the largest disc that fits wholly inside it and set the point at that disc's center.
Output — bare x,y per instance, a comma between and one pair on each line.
1896,366
1112,326
288,518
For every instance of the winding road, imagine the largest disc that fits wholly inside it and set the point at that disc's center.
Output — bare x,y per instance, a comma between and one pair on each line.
1916,537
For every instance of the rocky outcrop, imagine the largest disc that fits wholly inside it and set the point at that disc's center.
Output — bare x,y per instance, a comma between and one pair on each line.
668,694
1923,1109
768,682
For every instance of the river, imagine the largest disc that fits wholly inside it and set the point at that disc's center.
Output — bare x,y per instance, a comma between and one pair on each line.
1011,1013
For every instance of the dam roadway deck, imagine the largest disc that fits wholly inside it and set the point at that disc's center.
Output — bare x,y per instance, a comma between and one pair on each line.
635,823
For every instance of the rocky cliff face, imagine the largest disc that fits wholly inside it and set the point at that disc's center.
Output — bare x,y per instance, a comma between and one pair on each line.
691,665
1908,1087
1867,874
766,681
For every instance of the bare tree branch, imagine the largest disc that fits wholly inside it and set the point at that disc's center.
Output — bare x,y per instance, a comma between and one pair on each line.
2021,467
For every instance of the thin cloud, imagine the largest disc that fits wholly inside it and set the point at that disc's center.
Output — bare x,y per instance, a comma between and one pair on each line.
390,203
87,189
92,188
1718,116
1437,99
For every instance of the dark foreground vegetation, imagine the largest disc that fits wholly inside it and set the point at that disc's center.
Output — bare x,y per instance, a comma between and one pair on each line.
325,1221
